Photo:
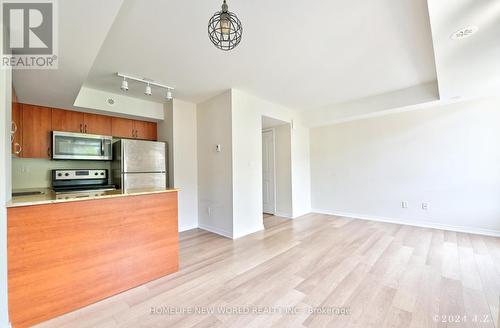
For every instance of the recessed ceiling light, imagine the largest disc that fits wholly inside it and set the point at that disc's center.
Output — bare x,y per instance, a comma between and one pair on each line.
464,33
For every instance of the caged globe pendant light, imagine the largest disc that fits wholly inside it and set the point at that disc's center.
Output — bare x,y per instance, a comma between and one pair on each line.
225,29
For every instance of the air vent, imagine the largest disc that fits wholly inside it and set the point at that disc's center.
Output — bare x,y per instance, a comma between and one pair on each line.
111,101
464,33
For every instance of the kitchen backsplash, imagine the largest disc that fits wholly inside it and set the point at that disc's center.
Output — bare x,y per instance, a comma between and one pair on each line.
35,173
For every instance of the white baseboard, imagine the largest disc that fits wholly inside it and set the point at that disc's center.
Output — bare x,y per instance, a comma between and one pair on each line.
257,229
298,215
422,224
215,230
228,234
186,228
284,215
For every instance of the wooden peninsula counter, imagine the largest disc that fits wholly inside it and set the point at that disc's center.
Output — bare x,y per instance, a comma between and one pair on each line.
64,255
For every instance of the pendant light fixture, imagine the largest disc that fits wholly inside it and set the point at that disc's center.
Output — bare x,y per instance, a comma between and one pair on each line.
225,29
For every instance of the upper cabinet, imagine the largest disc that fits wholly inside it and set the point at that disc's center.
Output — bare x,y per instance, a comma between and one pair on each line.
67,120
133,129
145,130
32,126
71,121
122,128
17,128
36,131
97,124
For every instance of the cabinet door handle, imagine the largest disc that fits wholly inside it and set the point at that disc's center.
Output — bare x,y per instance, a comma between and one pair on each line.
48,152
17,148
85,128
13,128
81,127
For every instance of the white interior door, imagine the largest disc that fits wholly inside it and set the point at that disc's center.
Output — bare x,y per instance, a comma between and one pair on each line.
268,184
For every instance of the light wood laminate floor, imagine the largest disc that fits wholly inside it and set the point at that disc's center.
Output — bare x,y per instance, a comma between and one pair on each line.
384,275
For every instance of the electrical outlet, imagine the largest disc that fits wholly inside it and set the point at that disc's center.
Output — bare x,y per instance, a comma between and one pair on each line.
404,204
209,211
425,206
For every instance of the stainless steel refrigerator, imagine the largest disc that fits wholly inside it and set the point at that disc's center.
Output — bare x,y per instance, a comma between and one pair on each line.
139,164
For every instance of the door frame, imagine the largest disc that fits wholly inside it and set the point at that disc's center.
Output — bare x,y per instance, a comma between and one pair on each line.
274,170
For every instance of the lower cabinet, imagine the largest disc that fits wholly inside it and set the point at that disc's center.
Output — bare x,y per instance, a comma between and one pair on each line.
67,255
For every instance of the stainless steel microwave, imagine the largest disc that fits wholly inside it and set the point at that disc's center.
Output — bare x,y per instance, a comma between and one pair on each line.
80,146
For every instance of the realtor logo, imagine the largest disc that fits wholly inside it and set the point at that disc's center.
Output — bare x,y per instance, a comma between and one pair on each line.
30,34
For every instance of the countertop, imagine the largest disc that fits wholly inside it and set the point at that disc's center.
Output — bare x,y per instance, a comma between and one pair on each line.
48,196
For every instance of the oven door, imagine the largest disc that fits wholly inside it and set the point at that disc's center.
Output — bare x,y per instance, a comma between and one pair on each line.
79,146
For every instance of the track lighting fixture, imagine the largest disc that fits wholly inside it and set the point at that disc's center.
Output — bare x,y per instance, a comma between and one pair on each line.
149,83
124,86
148,92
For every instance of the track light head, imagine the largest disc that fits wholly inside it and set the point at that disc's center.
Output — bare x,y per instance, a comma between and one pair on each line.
168,96
148,92
149,84
124,86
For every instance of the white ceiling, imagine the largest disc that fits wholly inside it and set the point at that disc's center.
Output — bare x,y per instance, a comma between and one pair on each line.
307,55
83,26
469,67
302,54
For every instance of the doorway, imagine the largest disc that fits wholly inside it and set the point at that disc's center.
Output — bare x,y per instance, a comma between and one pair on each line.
268,172
276,169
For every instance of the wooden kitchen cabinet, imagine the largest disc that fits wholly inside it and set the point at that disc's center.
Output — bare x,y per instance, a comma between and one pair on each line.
133,129
36,131
145,130
35,124
97,124
68,255
17,130
122,128
71,121
67,120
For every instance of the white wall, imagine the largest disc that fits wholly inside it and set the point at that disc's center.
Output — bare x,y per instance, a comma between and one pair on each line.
301,171
166,134
5,181
215,175
283,168
247,166
447,156
185,162
178,130
247,112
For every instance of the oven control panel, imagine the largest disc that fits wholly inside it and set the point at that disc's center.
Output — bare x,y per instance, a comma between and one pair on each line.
79,174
